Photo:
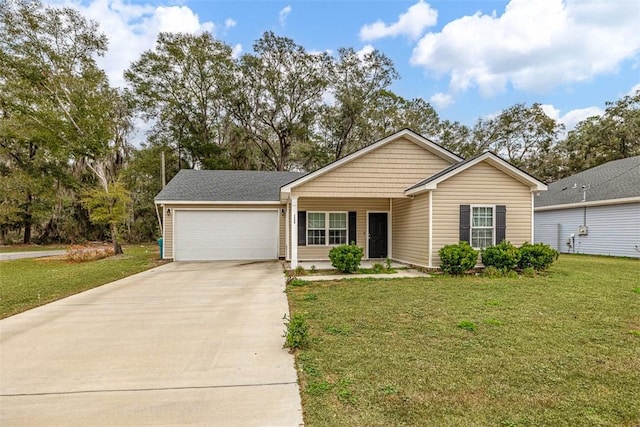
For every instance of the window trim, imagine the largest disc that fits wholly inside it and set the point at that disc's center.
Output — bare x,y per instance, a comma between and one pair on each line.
493,225
327,227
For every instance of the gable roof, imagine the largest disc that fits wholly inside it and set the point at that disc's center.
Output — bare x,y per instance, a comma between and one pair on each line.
432,182
617,179
225,186
404,133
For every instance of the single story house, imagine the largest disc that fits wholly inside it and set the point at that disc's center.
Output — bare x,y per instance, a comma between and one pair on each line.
403,197
596,211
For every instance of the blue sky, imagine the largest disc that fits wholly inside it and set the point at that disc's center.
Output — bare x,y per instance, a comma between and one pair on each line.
468,58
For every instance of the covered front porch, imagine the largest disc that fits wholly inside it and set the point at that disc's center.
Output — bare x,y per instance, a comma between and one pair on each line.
394,228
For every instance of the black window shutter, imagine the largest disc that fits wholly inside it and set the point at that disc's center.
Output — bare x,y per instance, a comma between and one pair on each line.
501,223
302,228
465,223
352,227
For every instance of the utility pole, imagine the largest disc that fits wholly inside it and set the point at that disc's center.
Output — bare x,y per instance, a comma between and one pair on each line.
164,181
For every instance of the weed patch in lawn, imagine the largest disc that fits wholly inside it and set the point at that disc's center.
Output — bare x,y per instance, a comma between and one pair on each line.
467,325
560,348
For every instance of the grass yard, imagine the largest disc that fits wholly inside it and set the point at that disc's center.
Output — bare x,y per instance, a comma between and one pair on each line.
28,283
559,349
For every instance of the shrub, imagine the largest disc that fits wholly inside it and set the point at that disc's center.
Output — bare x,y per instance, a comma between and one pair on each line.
300,271
456,259
529,272
503,256
346,258
378,268
537,256
297,333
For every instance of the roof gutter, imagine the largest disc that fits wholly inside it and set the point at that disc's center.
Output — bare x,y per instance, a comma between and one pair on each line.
607,202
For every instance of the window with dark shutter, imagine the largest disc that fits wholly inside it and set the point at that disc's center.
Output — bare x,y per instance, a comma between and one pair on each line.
465,223
501,223
352,227
302,228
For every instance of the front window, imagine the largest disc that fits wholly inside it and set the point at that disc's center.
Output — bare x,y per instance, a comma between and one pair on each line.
316,231
482,226
337,228
326,228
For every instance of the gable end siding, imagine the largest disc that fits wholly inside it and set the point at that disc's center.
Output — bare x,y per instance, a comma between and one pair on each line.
482,184
384,172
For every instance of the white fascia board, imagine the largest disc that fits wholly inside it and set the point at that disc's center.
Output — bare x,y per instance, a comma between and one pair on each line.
405,133
608,202
205,202
495,161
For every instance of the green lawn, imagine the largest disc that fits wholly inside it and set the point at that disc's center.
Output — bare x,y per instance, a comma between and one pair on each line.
28,283
558,349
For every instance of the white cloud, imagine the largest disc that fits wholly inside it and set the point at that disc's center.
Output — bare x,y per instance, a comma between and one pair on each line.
441,100
411,24
236,51
133,28
229,23
282,15
367,49
571,118
533,46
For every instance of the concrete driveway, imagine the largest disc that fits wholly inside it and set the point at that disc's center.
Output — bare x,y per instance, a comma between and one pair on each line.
185,343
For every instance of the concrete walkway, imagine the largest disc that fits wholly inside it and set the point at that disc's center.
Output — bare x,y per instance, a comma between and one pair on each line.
182,344
31,254
399,274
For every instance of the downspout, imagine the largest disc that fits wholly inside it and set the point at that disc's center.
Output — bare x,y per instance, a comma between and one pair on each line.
159,219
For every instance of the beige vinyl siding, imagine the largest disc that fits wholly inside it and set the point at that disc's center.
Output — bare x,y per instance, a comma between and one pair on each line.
168,222
481,184
359,205
384,172
411,230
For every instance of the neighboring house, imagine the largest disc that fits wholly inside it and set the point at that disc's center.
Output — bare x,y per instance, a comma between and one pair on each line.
596,211
403,197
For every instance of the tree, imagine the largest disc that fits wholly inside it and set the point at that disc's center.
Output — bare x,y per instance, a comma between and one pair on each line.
276,94
180,85
525,136
600,139
356,82
56,102
109,207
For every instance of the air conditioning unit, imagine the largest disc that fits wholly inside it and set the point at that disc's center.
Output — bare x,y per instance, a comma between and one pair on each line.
583,230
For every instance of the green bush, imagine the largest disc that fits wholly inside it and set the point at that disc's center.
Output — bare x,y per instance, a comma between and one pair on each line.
456,259
297,333
503,256
346,258
537,256
378,268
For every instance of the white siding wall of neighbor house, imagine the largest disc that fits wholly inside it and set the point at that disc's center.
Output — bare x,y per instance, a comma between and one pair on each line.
612,230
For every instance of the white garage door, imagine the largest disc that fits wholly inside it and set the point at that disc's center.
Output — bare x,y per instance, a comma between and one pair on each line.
203,235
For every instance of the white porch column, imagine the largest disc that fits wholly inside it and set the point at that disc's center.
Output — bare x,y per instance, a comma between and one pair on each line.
294,232
287,242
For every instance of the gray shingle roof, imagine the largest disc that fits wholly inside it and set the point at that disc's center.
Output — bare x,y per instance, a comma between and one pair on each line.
226,186
613,180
